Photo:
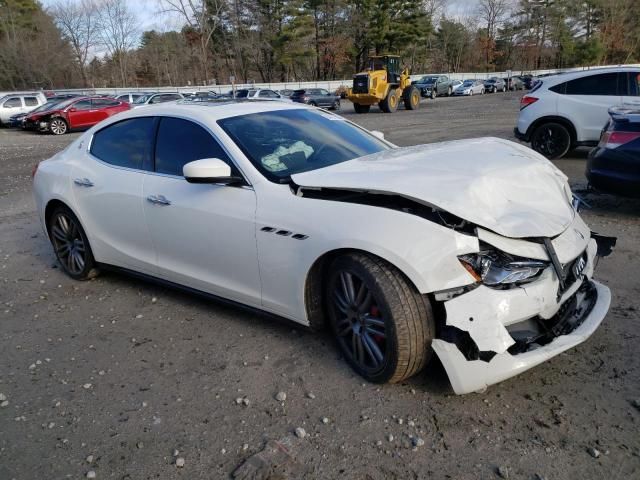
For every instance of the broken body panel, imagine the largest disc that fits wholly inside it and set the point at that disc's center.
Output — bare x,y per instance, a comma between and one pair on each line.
516,203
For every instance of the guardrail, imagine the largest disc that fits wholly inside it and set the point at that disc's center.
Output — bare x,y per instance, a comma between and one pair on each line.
330,85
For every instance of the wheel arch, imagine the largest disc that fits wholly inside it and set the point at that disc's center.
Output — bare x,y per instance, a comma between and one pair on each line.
51,207
316,278
556,119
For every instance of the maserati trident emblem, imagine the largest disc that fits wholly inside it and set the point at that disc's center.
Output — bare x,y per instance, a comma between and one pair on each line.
579,266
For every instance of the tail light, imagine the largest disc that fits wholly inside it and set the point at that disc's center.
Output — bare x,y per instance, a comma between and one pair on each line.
526,101
615,139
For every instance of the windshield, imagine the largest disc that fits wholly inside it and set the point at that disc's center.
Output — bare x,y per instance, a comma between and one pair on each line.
142,99
468,83
285,142
428,79
47,106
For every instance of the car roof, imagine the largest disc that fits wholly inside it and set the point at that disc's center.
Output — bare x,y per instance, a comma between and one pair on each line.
210,111
553,80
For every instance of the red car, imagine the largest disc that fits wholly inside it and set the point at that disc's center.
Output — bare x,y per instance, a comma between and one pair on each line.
76,113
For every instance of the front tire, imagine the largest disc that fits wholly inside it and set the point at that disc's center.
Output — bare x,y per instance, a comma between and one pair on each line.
390,102
434,94
336,105
411,98
70,244
552,140
383,326
361,108
58,126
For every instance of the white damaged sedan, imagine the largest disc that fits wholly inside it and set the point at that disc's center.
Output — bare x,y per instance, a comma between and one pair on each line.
470,249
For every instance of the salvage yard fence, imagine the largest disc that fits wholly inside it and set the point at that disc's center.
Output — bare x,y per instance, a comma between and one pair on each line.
330,85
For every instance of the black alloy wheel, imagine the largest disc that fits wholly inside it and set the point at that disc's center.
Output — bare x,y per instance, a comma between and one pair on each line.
382,324
70,244
360,328
552,140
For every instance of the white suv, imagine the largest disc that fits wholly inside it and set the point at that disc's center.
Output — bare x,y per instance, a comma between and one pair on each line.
15,103
570,110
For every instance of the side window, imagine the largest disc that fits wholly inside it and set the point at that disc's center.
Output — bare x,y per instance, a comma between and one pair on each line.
13,102
31,101
104,102
82,105
157,99
125,144
602,84
180,141
323,92
264,94
634,84
560,88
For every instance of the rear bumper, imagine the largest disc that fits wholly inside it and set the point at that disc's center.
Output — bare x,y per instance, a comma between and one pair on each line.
614,172
519,135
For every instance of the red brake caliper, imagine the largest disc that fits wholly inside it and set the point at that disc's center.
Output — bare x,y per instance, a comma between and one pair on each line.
375,312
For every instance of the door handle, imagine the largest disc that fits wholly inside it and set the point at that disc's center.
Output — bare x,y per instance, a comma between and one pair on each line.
159,200
83,182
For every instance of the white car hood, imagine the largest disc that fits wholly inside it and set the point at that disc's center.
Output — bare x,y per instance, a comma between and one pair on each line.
500,185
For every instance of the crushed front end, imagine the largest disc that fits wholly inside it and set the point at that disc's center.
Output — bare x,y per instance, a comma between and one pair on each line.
532,299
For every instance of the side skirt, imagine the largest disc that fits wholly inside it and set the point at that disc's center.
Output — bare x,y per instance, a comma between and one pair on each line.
200,293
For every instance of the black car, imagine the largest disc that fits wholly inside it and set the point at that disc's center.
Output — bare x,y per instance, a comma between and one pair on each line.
614,165
527,80
318,97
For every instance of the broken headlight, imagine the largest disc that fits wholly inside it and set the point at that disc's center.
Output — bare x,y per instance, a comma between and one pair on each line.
495,268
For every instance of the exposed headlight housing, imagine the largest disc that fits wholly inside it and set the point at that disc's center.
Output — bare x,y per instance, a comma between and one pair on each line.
498,269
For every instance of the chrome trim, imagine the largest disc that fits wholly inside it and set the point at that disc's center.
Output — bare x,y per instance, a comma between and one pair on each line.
179,177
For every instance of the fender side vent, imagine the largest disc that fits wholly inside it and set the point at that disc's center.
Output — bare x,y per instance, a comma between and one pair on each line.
268,229
283,233
299,236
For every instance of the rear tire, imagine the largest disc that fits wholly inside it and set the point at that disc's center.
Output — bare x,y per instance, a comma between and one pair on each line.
449,92
552,140
361,108
390,102
70,244
383,326
411,98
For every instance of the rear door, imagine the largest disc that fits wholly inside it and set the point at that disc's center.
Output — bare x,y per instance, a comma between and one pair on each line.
586,102
107,184
204,234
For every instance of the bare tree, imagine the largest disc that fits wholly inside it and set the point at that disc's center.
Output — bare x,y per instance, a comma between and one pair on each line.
203,17
491,13
78,21
119,32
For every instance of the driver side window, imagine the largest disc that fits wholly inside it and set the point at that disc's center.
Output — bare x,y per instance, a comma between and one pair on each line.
181,141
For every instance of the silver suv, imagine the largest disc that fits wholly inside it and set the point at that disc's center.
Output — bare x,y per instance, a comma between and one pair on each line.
16,103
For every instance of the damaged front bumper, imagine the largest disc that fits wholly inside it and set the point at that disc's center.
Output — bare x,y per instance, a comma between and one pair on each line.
494,334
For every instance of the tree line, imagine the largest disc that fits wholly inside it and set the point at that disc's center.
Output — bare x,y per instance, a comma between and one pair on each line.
99,43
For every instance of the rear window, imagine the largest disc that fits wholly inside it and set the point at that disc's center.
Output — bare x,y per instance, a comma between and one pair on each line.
125,144
601,84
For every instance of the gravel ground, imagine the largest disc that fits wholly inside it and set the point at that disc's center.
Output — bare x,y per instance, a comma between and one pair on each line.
118,378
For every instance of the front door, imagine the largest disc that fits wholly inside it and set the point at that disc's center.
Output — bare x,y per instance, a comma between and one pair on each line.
80,114
204,234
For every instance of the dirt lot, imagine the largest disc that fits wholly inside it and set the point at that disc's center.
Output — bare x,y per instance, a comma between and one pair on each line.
123,373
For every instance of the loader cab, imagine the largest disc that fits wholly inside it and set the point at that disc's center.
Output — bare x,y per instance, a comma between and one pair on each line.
390,63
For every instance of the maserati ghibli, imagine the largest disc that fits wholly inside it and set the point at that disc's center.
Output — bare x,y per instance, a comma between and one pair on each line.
473,250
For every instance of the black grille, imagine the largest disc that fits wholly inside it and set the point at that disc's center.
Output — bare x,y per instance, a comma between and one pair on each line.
361,84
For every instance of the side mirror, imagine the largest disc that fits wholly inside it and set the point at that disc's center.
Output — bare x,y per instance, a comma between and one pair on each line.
377,134
209,170
72,109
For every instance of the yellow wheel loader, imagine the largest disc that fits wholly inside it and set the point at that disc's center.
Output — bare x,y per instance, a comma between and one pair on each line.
385,84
